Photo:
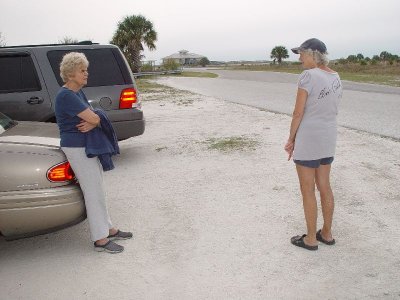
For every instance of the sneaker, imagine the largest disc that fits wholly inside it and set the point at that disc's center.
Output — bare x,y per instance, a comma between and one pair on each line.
120,235
109,247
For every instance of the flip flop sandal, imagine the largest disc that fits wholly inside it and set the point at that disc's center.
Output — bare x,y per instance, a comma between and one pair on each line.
109,247
120,235
322,240
299,242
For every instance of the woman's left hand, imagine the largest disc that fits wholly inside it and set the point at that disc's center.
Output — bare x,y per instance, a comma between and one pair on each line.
84,126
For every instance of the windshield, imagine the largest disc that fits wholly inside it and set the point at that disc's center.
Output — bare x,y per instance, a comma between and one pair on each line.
6,123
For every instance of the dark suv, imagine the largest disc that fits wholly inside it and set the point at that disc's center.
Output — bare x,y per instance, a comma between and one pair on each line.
30,79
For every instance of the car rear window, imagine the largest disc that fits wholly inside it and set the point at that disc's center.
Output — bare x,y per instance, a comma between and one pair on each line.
17,73
105,67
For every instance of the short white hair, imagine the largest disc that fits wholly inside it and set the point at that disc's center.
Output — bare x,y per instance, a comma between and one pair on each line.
319,58
70,62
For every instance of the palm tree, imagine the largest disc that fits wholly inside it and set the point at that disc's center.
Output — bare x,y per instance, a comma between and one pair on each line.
279,53
132,33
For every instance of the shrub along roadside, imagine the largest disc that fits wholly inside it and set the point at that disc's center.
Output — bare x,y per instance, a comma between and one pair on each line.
378,73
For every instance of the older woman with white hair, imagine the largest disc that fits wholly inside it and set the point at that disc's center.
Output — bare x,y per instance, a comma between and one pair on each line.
312,139
75,118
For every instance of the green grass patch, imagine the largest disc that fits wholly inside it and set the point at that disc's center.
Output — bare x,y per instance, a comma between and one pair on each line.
371,78
197,74
385,74
286,68
147,86
153,91
234,143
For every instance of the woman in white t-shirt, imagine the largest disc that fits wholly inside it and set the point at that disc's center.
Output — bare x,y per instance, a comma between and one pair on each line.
312,139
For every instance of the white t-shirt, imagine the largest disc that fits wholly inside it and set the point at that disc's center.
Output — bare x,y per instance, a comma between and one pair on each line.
316,136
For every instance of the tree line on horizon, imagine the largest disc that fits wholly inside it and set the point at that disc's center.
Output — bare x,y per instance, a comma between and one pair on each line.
384,56
279,53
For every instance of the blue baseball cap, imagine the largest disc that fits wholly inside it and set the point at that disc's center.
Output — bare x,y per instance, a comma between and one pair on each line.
313,44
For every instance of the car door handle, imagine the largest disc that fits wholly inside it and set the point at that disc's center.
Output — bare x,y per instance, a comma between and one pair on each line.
35,100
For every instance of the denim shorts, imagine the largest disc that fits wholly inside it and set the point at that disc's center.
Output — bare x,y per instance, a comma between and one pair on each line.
315,163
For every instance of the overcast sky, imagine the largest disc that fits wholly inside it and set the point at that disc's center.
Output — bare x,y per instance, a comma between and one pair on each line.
219,29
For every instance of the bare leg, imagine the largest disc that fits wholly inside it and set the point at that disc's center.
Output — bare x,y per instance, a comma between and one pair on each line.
307,185
327,199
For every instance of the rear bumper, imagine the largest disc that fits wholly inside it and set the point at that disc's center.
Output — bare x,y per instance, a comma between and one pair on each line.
34,212
126,129
127,122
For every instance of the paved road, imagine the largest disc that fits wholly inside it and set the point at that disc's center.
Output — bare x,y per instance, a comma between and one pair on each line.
367,107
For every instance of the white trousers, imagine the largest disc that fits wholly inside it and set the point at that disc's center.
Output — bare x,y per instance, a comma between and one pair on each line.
89,173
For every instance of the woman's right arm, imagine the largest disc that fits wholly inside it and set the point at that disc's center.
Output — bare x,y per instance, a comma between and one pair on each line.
298,112
297,116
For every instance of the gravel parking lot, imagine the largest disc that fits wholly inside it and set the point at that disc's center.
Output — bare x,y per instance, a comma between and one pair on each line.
213,202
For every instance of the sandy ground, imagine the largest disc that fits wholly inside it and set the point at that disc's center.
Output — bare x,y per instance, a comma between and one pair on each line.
215,224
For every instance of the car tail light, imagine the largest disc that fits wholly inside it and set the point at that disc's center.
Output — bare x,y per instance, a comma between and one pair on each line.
128,98
60,172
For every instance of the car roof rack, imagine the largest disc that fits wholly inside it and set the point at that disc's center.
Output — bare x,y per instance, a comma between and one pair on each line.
43,45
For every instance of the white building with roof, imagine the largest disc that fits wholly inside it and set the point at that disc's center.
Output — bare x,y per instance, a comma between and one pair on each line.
184,58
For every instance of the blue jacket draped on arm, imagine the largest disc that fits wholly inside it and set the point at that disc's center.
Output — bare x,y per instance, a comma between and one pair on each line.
102,141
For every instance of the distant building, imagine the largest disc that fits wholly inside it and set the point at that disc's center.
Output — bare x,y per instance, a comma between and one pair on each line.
185,58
